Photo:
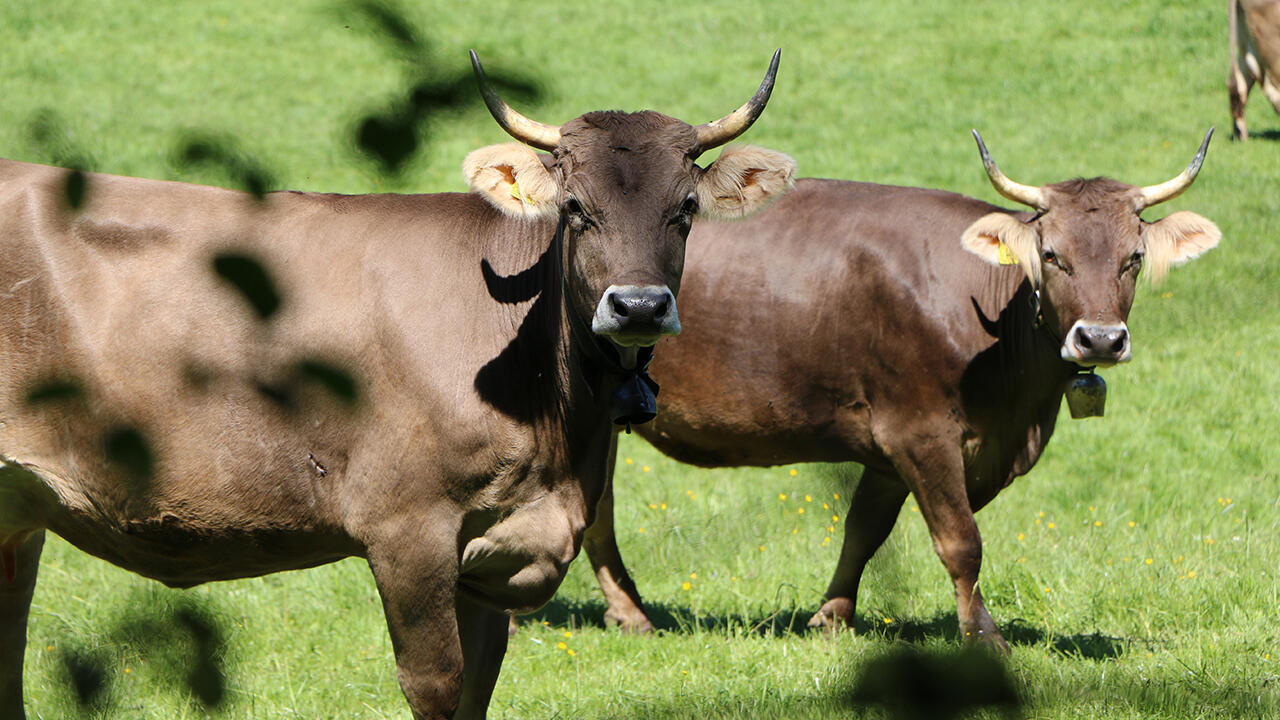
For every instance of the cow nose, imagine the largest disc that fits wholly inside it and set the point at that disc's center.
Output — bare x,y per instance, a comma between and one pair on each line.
636,314
1097,344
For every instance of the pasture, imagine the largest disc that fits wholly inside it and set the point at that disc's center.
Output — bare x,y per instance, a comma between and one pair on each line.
1133,570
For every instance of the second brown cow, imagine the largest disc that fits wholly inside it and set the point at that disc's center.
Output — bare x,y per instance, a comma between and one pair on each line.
924,334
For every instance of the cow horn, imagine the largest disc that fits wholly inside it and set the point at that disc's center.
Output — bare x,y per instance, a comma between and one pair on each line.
718,132
1025,194
1155,194
529,132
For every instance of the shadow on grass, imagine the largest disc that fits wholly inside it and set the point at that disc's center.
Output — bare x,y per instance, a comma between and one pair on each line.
794,621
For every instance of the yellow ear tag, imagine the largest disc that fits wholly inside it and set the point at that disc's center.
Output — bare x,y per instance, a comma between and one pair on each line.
515,191
1005,256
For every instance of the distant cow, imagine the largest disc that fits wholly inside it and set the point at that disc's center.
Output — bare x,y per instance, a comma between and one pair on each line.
150,419
1255,56
924,334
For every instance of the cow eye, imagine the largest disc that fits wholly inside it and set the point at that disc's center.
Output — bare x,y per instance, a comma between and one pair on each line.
1135,260
690,207
572,206
1050,257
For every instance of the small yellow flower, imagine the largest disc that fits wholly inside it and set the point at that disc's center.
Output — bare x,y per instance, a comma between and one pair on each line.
568,633
831,528
693,575
888,621
782,496
808,498
733,578
794,472
761,548
1021,536
686,585
561,646
1097,523
915,509
645,468
1091,508
639,530
800,510
1047,591
663,506
1208,541
795,530
1148,561
684,672
1052,526
653,506
1132,524
1040,514
835,518
835,495
630,461
826,506
1191,573
1037,521
128,670
571,652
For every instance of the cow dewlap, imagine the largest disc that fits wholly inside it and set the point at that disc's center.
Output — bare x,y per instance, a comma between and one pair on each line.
512,178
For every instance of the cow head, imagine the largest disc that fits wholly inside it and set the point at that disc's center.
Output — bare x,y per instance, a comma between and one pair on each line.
1084,248
625,188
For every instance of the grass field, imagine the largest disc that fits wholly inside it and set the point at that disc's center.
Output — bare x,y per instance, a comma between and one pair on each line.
1134,570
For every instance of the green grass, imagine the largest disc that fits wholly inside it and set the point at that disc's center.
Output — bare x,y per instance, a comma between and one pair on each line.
867,91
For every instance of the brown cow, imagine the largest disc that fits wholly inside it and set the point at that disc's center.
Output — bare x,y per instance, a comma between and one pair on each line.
892,326
1254,34
486,331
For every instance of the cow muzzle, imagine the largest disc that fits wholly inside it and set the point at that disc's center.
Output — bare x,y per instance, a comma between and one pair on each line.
1090,345
636,315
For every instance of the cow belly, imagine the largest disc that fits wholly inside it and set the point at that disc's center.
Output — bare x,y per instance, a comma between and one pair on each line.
519,562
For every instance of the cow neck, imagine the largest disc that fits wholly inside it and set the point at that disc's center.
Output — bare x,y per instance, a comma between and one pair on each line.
633,396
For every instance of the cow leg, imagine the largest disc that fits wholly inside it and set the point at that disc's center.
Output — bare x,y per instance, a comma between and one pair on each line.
15,604
873,510
625,610
484,641
419,596
932,467
1238,86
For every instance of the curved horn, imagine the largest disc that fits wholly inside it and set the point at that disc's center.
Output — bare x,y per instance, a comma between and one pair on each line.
1154,194
529,132
719,132
1025,194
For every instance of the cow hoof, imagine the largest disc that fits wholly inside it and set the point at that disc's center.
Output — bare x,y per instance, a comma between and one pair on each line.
991,639
835,615
633,623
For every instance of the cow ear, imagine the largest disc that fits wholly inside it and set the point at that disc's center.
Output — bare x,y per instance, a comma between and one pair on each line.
1176,239
742,180
1002,239
513,179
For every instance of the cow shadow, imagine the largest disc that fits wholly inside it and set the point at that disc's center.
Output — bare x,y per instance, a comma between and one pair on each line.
793,621
1272,135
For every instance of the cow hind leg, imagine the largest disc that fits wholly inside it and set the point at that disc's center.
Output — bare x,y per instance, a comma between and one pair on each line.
1239,84
873,510
17,585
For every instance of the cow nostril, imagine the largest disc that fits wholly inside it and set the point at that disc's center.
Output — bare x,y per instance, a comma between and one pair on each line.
660,310
1121,338
1082,338
619,307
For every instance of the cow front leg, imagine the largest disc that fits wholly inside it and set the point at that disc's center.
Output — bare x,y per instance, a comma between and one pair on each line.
419,597
484,641
625,608
873,510
15,605
933,469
